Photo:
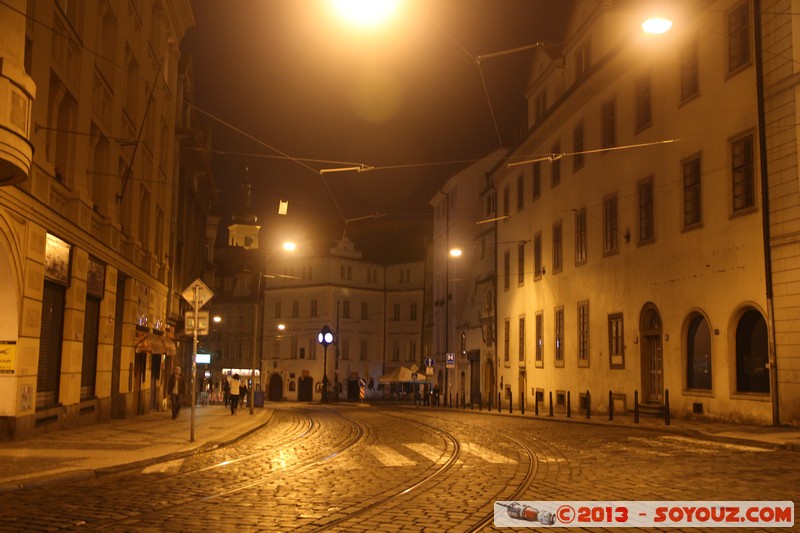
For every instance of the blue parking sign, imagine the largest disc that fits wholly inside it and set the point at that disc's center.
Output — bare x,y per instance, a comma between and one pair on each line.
451,360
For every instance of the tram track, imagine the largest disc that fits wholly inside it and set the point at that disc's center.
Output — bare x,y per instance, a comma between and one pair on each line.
357,433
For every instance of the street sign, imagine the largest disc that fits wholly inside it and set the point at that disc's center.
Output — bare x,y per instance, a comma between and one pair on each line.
362,382
204,294
430,361
429,371
451,360
413,376
202,322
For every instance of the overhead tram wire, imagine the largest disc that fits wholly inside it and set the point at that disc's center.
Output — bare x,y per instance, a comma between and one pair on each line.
270,147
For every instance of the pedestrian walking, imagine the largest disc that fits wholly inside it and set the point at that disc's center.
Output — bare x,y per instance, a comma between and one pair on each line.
243,394
234,393
176,387
226,391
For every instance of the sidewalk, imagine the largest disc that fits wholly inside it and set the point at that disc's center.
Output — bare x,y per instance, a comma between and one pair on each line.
96,449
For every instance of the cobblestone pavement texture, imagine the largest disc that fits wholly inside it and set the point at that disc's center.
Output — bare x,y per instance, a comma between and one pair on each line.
307,467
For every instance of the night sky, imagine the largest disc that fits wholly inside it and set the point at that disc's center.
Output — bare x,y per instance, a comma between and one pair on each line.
294,89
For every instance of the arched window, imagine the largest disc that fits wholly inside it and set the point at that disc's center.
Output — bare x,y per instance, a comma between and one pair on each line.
752,374
698,354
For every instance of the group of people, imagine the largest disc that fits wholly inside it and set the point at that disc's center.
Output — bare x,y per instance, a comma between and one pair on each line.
235,391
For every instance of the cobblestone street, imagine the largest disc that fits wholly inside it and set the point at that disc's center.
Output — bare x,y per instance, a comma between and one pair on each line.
403,469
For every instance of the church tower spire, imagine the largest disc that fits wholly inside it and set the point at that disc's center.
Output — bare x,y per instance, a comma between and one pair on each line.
244,231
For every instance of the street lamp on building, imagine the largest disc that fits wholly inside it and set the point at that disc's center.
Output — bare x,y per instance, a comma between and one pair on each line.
325,338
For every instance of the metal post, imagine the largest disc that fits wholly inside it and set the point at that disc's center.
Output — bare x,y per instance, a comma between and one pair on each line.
588,404
535,403
551,403
666,407
510,401
194,355
636,407
499,401
324,373
522,401
610,406
336,363
569,407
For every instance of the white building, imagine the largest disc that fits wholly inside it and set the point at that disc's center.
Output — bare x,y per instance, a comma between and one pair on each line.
464,285
632,256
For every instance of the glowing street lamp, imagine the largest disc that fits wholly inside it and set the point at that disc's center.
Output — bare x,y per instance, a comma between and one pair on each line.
365,12
656,25
325,338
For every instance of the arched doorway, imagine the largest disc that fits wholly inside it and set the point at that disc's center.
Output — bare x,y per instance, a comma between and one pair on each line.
650,330
275,388
752,353
305,389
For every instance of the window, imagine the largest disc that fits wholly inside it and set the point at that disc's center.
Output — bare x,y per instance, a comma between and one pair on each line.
520,191
692,214
539,339
616,343
396,311
582,61
690,77
610,241
698,354
411,350
395,351
537,256
506,207
364,349
346,309
506,270
506,339
537,179
521,264
577,147
522,339
752,374
583,334
295,308
277,309
558,317
412,313
580,236
558,248
646,215
743,174
540,106
364,310
344,349
644,110
312,312
608,119
490,205
739,37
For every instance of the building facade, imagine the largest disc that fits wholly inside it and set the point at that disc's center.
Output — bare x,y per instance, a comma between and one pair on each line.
273,304
633,262
464,285
86,211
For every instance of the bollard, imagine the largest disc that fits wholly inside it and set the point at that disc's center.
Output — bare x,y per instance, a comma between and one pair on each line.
535,403
551,403
451,399
480,401
499,401
588,404
569,409
510,401
610,406
636,407
463,400
522,401
666,407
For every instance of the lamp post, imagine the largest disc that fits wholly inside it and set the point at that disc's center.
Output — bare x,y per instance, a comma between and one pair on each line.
325,338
